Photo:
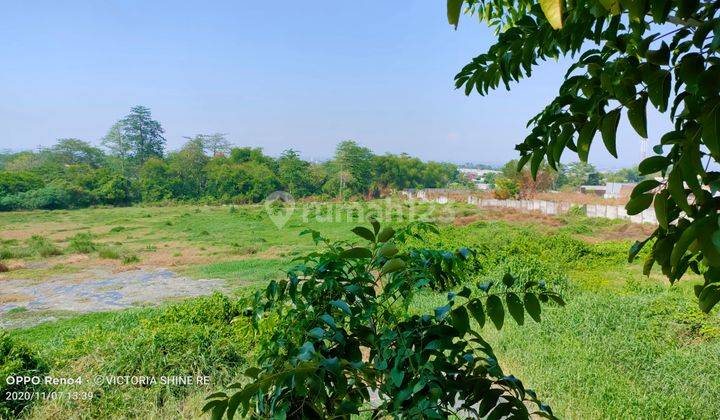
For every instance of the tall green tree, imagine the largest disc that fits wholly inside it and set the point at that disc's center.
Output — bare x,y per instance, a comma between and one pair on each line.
142,134
353,167
628,55
119,147
294,174
188,169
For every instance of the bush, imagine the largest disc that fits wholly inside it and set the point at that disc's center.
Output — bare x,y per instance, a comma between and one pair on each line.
18,182
506,188
17,360
55,196
342,326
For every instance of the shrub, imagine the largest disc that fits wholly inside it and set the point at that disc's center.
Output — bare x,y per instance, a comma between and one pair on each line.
506,188
342,328
17,360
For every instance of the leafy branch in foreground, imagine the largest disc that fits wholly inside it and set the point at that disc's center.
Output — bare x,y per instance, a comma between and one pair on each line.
629,53
346,341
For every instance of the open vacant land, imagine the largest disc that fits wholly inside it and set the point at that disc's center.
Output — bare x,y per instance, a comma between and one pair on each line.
625,346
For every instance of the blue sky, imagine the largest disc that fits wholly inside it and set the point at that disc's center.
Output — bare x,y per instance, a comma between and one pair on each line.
276,75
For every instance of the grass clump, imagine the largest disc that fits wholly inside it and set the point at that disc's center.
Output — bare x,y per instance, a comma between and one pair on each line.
82,243
17,360
42,247
109,252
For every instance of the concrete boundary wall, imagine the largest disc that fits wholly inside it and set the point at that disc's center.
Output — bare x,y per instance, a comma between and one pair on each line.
542,206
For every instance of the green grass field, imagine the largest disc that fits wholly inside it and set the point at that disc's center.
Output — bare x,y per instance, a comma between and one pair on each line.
625,346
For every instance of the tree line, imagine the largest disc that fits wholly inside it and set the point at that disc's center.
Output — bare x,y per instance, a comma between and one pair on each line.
133,166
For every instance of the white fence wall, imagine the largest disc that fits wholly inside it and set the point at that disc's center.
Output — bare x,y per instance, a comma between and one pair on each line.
542,206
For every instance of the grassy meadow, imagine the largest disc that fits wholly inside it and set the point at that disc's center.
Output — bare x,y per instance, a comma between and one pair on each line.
625,346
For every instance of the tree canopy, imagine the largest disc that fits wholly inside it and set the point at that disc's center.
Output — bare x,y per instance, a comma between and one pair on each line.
628,55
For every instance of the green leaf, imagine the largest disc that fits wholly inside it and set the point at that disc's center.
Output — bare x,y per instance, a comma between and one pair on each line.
454,7
364,233
711,130
357,252
508,280
661,208
653,164
638,204
608,129
585,138
316,333
637,114
612,6
660,9
233,404
476,310
460,319
709,297
532,306
644,186
306,351
385,234
681,246
660,57
375,224
442,312
397,376
677,190
553,10
691,68
636,8
515,307
659,89
343,306
392,266
557,299
495,310
388,250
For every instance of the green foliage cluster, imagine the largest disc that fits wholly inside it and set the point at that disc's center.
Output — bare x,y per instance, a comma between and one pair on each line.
346,342
629,55
17,360
136,168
